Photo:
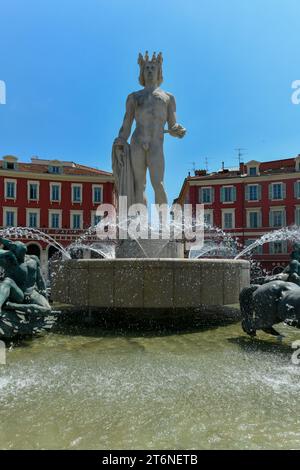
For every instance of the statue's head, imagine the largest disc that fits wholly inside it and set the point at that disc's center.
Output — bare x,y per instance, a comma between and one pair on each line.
150,70
19,250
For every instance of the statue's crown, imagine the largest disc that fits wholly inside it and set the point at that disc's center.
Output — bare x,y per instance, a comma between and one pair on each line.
155,59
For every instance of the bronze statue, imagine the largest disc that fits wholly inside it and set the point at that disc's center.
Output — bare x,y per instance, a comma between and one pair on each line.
273,299
263,306
23,294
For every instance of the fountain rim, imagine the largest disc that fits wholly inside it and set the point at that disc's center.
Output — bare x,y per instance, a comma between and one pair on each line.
185,261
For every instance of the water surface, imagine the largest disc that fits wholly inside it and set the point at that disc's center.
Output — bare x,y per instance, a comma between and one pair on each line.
170,388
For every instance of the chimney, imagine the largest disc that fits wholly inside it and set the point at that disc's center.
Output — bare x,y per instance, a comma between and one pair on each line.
200,172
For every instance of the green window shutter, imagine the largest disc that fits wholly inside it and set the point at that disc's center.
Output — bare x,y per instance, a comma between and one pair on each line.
283,190
259,192
212,195
270,191
222,195
259,219
271,219
200,195
234,193
247,192
271,248
284,218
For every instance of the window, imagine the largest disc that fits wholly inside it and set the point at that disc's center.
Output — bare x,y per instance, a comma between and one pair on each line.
54,169
208,218
97,219
76,221
32,220
76,193
227,219
10,191
228,194
277,218
297,190
253,168
10,165
297,216
253,219
277,191
55,192
97,194
253,192
278,247
10,215
55,220
206,195
10,219
33,191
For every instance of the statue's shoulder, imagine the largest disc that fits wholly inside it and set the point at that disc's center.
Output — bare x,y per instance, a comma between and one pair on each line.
133,98
170,97
34,258
8,256
136,95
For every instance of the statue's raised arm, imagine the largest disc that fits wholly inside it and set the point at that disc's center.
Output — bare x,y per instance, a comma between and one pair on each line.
6,244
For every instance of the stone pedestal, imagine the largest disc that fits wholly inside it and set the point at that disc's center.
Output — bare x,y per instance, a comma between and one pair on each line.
150,249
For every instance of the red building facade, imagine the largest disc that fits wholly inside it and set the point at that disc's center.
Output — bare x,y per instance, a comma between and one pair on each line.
250,201
59,198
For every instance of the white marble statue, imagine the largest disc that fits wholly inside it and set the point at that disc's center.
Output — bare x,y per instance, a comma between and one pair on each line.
151,108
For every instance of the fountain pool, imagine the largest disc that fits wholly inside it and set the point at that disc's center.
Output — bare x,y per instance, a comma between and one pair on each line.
192,386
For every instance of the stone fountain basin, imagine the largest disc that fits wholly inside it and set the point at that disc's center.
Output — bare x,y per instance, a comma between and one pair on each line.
148,283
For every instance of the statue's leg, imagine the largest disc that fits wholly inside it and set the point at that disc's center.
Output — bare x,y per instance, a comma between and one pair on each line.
139,167
37,304
10,291
156,164
39,300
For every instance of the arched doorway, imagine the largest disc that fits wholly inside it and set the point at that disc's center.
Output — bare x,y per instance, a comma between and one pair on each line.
34,249
53,255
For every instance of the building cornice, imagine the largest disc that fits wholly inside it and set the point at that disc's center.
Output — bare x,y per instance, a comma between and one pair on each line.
245,179
57,177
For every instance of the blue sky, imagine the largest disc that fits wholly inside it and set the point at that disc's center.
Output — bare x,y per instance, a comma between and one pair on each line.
68,66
